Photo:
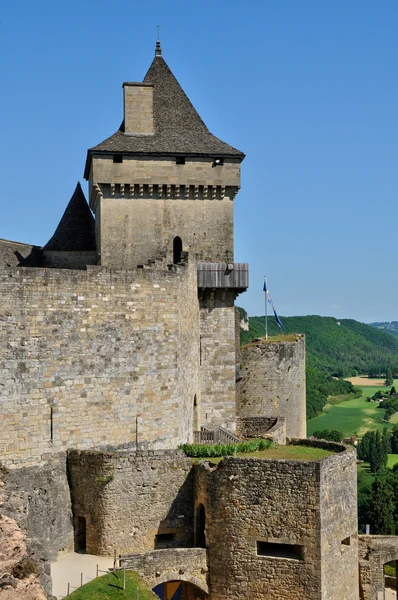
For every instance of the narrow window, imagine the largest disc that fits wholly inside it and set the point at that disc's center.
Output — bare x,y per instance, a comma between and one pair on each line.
80,534
180,160
177,250
218,162
118,158
51,424
275,550
201,527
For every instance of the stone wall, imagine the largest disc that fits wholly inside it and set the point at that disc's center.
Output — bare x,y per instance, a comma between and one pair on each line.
273,383
38,499
129,498
262,427
142,204
68,260
374,552
138,108
178,564
264,520
85,356
217,358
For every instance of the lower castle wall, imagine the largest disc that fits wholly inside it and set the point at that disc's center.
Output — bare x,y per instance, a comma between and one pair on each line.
128,498
38,498
217,358
272,383
85,356
248,500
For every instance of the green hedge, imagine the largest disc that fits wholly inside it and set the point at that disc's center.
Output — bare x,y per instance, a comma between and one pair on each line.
214,450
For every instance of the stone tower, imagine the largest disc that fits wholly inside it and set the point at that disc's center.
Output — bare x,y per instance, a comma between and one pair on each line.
163,186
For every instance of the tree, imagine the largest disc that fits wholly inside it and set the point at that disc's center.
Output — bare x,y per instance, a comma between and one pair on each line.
381,507
331,435
394,440
393,390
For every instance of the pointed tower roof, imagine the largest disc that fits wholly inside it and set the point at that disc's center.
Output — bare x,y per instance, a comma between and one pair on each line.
179,130
76,229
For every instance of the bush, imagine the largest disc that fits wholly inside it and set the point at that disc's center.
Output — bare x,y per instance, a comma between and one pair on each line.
216,450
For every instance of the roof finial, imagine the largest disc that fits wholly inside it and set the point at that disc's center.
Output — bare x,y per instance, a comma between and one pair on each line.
158,51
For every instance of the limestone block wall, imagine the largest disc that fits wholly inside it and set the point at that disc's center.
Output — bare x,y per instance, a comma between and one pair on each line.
138,108
273,383
86,356
264,528
68,260
38,498
339,527
217,358
129,498
142,204
133,231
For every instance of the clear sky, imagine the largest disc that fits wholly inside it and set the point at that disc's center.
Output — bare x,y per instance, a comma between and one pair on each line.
307,89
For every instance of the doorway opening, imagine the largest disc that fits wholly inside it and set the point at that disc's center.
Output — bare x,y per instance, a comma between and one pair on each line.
177,250
80,534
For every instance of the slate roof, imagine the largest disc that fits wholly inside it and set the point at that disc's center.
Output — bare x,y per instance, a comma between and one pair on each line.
76,229
14,254
178,127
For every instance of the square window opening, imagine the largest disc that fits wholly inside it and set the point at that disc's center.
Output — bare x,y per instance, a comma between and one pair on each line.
346,541
180,160
117,158
164,540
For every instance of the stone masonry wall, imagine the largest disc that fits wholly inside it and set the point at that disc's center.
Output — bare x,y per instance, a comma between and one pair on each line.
87,355
137,230
273,383
133,230
339,527
38,498
217,358
128,498
277,502
138,108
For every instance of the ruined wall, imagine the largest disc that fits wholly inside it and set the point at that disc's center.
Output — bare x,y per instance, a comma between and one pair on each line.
38,500
257,508
128,498
374,551
273,383
217,358
85,355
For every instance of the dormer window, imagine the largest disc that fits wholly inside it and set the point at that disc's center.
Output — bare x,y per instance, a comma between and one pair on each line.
218,162
180,160
118,158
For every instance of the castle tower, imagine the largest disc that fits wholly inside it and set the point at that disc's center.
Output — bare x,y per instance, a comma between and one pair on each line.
161,186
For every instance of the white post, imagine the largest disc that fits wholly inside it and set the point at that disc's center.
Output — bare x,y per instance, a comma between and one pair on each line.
124,578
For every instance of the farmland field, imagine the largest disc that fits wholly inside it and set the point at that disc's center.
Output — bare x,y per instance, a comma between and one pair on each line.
353,416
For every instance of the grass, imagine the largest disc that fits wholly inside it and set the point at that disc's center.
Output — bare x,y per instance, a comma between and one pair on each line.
280,337
355,416
392,460
295,452
110,586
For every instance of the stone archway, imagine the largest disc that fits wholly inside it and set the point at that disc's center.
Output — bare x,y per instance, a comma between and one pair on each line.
179,589
374,552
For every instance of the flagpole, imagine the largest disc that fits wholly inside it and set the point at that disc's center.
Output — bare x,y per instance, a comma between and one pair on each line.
266,310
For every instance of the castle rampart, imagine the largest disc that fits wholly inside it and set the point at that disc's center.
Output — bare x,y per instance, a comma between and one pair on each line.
95,357
271,530
132,501
273,383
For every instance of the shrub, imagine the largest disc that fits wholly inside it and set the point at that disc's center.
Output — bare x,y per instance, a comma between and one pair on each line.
215,450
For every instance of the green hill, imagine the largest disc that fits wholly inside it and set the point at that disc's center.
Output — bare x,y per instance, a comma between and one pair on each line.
338,347
387,326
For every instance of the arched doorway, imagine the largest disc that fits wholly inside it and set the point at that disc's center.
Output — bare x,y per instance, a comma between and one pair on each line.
179,590
200,532
177,250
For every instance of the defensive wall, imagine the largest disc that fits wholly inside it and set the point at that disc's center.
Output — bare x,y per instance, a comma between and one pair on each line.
272,383
277,529
132,501
93,357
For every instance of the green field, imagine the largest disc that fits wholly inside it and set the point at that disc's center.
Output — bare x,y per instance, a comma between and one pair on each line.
111,587
353,416
392,460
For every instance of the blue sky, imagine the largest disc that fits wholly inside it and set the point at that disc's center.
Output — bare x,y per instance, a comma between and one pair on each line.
308,90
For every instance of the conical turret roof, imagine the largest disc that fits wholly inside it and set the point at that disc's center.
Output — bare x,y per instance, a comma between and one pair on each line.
179,130
76,229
